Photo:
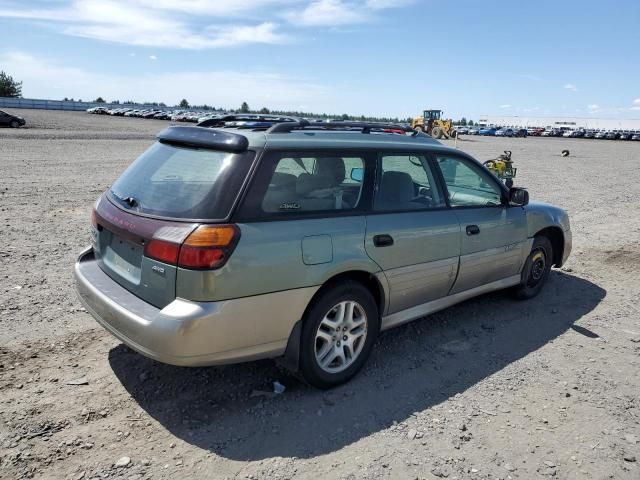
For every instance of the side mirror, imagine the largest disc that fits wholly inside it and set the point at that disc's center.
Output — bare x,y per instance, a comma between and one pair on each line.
357,174
518,197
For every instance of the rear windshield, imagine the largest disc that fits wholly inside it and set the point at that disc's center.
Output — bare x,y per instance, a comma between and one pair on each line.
179,182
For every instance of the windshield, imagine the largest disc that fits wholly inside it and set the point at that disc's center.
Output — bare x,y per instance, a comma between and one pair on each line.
179,182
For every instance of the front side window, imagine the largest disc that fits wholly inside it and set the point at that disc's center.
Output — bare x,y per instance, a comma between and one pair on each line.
313,184
468,185
407,183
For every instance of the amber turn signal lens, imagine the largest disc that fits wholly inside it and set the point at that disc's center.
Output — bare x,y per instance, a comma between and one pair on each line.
212,236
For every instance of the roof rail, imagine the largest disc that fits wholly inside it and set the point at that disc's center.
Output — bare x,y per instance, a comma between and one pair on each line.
245,117
365,127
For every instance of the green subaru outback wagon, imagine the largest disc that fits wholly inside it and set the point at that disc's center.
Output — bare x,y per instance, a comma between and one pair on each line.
240,240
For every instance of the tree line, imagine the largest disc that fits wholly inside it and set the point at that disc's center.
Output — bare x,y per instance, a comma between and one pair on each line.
12,88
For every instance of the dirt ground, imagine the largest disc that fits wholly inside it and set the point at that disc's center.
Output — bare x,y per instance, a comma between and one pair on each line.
489,389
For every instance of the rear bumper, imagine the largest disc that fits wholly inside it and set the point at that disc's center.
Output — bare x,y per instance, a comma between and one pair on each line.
191,333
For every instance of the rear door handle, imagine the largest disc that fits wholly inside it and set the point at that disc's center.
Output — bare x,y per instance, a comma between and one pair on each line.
473,229
383,240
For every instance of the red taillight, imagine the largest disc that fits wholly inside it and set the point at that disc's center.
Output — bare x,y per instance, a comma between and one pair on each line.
162,251
208,247
191,257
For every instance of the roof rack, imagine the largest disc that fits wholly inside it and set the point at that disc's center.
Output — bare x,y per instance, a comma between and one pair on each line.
221,121
286,124
364,127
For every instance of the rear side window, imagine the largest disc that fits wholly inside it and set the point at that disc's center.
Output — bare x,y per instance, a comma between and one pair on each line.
179,182
314,184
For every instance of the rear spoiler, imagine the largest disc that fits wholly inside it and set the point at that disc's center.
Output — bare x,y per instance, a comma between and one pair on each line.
200,137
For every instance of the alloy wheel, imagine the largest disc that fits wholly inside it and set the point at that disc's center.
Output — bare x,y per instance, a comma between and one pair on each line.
341,336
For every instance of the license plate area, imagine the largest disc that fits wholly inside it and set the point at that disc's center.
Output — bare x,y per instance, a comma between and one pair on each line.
123,258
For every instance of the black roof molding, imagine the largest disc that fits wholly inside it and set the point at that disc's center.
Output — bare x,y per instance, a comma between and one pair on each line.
204,138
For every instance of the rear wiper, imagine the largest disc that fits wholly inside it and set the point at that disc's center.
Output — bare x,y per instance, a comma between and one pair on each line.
132,202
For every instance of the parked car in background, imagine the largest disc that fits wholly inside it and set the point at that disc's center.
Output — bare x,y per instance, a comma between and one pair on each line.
505,132
462,130
589,134
151,114
635,136
601,134
521,133
473,131
626,135
613,135
535,131
97,110
487,131
10,120
162,116
182,270
180,117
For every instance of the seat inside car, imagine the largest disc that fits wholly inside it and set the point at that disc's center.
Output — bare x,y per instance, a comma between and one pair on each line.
396,192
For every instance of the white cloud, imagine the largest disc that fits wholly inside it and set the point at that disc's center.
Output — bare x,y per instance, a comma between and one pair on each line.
593,106
327,13
505,105
382,4
215,8
636,104
333,13
153,57
532,109
192,24
143,23
571,86
43,78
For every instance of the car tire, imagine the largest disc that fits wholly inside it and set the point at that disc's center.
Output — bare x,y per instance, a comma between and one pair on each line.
436,132
14,124
536,269
419,128
326,359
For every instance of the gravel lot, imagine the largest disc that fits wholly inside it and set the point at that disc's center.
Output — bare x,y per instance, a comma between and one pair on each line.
492,388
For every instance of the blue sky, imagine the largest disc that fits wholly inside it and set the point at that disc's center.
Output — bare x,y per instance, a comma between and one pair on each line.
373,57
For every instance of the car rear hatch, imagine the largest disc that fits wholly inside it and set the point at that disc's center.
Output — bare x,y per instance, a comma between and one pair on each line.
167,211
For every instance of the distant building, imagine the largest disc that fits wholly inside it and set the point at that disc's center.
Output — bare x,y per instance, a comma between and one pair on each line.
564,123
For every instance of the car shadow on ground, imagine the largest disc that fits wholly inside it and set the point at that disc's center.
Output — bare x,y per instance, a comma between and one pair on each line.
412,368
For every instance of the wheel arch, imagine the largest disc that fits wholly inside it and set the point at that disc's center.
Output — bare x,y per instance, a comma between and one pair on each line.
370,281
556,237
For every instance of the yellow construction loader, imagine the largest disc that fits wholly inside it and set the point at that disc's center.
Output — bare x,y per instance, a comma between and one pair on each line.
431,123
